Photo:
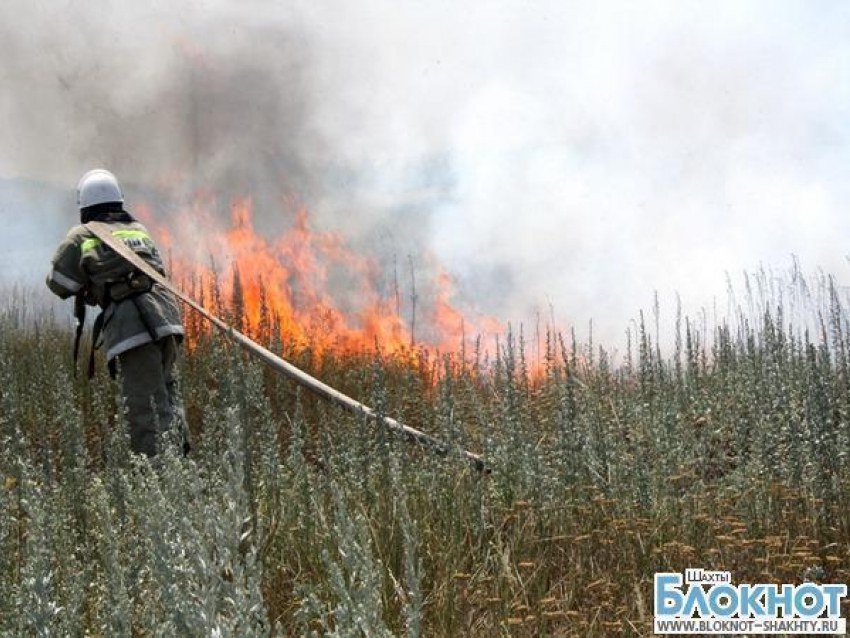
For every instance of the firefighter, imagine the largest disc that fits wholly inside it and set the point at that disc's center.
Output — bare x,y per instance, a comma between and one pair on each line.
140,320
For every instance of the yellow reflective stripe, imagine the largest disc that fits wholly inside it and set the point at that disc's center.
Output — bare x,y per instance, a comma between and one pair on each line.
94,242
90,244
131,234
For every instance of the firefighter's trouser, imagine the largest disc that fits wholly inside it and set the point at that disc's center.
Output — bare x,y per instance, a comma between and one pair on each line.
149,389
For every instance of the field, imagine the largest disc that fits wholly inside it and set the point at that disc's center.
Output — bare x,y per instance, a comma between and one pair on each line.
729,449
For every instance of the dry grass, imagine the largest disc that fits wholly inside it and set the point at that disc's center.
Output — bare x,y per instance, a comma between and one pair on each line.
731,456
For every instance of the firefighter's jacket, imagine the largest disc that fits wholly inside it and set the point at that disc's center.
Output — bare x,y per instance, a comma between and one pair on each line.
82,263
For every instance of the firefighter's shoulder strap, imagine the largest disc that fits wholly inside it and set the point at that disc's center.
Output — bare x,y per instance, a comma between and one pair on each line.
95,338
80,317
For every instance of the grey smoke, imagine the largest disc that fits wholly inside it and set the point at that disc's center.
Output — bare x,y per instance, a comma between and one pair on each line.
554,156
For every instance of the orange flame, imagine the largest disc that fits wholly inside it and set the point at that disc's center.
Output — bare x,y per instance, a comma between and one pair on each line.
311,284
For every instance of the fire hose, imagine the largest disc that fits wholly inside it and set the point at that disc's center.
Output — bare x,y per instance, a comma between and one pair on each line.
324,391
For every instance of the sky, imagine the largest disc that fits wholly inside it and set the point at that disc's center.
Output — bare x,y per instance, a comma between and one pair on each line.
562,158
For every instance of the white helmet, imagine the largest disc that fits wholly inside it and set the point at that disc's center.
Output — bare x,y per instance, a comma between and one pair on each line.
98,187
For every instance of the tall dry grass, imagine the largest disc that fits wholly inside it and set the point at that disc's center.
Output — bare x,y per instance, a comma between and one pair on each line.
732,451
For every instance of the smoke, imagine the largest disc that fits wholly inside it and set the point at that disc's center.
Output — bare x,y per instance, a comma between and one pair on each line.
556,157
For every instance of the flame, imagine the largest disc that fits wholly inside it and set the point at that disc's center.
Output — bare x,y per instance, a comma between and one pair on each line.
309,283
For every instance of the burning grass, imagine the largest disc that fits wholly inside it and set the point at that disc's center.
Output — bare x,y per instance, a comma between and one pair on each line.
293,518
312,287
